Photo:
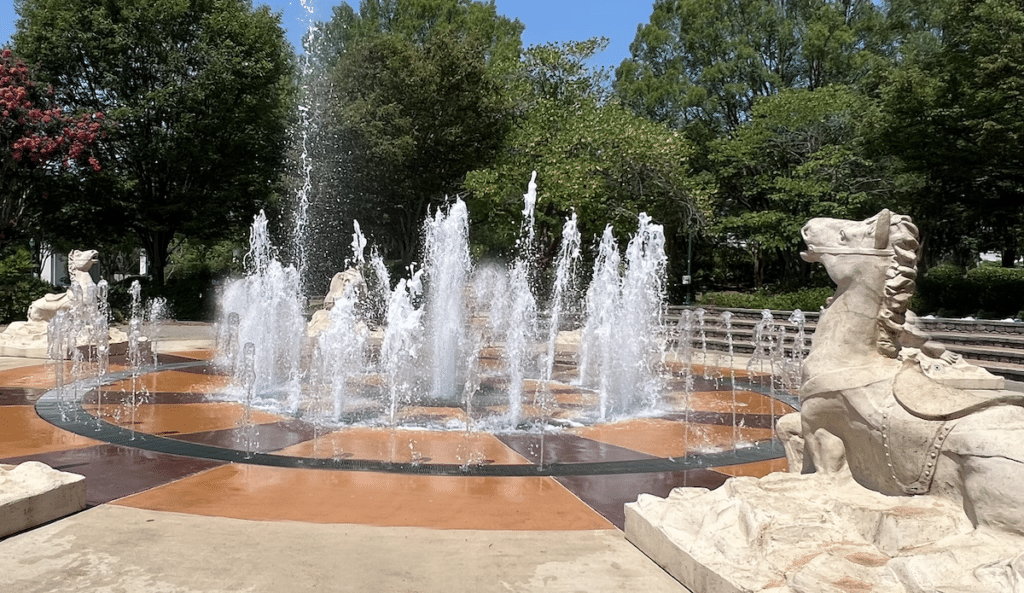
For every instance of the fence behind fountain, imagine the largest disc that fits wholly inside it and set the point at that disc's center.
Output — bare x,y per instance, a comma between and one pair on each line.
994,345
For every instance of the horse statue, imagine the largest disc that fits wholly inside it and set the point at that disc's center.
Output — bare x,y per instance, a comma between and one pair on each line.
872,406
79,262
347,284
31,337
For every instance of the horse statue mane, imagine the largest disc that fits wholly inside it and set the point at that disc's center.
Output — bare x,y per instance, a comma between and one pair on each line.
898,233
875,402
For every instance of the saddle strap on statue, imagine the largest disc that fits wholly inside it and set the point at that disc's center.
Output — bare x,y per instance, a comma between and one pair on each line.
928,399
912,448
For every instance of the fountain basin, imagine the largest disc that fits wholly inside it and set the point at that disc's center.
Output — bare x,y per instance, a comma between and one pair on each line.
552,443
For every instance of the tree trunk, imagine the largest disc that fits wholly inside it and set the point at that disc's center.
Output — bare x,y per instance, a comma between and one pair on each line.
757,268
1009,257
156,244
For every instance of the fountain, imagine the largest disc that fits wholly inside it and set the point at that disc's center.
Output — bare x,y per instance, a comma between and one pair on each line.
452,346
441,322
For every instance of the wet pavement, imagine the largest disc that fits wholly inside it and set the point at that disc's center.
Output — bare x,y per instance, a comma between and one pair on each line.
574,480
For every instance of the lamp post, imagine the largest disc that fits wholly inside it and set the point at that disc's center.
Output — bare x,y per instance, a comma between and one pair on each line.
688,278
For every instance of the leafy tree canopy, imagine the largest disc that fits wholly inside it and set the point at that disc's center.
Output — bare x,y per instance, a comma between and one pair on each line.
801,155
952,113
592,157
202,91
36,139
704,63
417,22
418,96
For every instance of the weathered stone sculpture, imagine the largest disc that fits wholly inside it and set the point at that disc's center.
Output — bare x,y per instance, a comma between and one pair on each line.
32,494
349,282
897,430
79,264
29,338
903,482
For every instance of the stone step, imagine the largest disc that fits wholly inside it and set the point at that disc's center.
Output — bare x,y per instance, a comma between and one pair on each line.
991,353
1011,371
983,326
979,339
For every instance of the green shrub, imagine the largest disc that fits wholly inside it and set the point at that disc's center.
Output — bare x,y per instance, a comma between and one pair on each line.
999,291
807,299
18,285
189,297
942,291
988,292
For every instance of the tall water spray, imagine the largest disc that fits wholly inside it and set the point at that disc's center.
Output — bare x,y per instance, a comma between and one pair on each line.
310,108
399,351
621,336
341,348
603,304
565,266
521,320
447,266
519,330
270,313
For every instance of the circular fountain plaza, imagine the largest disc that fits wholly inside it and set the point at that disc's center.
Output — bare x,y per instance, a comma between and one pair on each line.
454,389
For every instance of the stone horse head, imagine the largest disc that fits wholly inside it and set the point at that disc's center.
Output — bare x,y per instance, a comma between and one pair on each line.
874,263
79,264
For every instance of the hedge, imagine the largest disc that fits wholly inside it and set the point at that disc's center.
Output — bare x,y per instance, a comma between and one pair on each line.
18,285
808,299
984,292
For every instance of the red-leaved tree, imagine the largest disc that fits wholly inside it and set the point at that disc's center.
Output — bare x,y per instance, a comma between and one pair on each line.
36,140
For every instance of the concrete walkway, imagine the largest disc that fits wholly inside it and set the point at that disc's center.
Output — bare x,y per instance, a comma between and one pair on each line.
114,548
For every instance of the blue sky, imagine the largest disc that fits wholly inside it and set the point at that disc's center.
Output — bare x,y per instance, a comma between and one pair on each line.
545,20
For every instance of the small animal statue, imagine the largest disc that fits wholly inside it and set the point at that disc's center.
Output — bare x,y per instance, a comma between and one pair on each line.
347,283
79,263
342,283
869,408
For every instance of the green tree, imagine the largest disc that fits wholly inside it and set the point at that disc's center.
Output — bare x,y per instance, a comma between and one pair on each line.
774,98
592,157
417,99
801,155
703,64
418,21
19,283
37,140
953,115
202,91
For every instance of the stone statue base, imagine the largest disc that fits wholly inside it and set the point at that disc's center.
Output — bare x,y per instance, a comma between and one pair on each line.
28,339
815,533
32,494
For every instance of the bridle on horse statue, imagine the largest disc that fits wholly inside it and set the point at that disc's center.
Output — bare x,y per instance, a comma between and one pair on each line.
881,248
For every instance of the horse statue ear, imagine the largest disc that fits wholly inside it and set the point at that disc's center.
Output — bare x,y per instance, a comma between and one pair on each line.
882,229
